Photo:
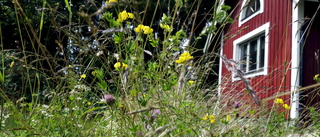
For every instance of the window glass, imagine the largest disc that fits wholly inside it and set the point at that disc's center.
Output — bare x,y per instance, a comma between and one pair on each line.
252,54
252,7
262,51
243,57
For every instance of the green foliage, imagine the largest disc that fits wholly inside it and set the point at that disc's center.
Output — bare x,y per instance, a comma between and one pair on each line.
1,78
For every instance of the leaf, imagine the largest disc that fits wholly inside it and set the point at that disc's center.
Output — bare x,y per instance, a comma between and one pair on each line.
312,110
92,109
42,14
225,7
252,112
133,92
179,3
212,29
68,6
221,16
117,39
103,85
165,19
108,16
99,74
154,43
72,98
229,20
1,78
180,34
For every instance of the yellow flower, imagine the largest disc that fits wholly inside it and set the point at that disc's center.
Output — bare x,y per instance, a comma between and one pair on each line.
209,117
139,28
212,119
122,16
285,106
83,76
147,30
184,57
279,101
120,66
69,65
165,27
130,15
191,81
94,73
316,77
89,103
206,117
228,118
112,1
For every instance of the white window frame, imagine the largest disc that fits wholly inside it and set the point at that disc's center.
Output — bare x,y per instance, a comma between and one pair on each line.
243,7
264,29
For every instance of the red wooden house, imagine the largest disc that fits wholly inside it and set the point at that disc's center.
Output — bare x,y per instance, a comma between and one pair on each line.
275,43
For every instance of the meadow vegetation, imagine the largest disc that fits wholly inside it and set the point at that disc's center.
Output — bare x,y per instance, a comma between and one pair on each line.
135,72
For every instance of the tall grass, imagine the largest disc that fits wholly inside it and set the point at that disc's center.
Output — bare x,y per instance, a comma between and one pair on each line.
125,80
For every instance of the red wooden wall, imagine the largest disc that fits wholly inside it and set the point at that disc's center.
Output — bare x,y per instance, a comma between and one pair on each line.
278,13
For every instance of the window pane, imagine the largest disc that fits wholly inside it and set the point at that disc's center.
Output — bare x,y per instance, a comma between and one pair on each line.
253,6
253,55
262,50
257,5
249,11
243,57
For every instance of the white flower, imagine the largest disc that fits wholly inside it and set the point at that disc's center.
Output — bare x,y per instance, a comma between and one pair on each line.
99,53
45,106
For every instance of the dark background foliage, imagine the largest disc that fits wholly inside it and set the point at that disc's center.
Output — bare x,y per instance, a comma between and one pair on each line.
18,35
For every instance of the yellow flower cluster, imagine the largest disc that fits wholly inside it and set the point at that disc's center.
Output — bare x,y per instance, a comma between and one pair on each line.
165,27
285,106
209,117
228,118
144,29
280,101
120,66
83,76
190,81
124,15
112,1
316,78
184,57
94,73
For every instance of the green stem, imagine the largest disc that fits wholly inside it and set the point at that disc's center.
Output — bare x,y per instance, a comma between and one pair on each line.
2,75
